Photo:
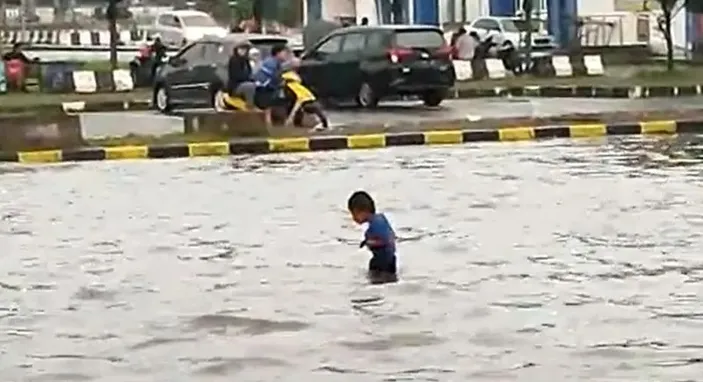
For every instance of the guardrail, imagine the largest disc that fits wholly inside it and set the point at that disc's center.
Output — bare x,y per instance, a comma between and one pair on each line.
71,37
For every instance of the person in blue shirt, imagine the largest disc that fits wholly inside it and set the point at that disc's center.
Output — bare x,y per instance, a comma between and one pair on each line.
379,237
268,79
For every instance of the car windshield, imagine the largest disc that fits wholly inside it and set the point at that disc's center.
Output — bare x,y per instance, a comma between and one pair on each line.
518,25
428,39
510,26
198,21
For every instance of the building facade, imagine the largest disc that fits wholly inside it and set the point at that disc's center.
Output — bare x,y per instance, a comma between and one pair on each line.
561,16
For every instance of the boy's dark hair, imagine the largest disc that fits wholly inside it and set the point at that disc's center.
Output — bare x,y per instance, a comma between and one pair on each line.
361,201
278,48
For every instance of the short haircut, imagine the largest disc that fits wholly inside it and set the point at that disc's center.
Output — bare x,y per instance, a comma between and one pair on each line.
361,201
278,48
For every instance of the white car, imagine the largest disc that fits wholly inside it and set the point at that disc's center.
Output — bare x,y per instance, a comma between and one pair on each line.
182,26
507,31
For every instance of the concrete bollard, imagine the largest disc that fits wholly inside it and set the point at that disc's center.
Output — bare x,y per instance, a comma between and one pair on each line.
225,124
36,132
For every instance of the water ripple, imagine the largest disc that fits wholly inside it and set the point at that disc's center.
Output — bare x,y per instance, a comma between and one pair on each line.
565,260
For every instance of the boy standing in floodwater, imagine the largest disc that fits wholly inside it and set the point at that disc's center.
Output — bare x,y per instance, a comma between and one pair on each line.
379,237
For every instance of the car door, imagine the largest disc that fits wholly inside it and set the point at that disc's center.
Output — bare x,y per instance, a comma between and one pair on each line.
315,70
206,72
183,81
345,66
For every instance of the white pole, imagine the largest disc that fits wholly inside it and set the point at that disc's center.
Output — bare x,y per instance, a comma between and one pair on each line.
305,12
440,12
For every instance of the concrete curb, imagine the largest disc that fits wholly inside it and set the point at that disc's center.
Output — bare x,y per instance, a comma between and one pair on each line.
369,141
578,91
562,91
80,107
84,107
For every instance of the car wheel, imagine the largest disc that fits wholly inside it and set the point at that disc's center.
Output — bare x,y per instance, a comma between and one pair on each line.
366,97
217,100
162,100
433,98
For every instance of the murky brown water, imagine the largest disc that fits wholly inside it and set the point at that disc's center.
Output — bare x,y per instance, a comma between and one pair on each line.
532,261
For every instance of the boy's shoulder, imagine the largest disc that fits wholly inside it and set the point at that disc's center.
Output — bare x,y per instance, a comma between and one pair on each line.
380,219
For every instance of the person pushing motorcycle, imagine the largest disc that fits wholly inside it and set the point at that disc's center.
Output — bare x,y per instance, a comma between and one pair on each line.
269,79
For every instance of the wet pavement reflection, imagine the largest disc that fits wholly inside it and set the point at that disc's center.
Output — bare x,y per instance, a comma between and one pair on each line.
560,260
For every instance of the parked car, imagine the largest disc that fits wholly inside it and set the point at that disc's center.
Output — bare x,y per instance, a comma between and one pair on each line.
196,74
367,63
512,31
184,26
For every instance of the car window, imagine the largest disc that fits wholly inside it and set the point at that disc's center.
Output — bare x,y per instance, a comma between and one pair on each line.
193,53
487,24
165,20
377,40
510,26
176,22
330,46
198,21
422,38
184,50
264,45
354,42
215,52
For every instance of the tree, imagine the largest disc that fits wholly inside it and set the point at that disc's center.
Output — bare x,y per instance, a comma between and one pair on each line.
112,26
670,8
527,8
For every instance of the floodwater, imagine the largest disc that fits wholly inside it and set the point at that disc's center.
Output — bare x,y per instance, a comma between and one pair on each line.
558,260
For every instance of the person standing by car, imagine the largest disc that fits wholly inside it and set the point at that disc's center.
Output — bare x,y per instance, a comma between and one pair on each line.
466,46
240,74
16,67
268,79
158,50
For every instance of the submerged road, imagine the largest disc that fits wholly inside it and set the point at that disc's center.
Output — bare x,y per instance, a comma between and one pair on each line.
549,261
114,124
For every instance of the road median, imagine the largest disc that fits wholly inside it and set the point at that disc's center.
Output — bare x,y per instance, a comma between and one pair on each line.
59,148
619,83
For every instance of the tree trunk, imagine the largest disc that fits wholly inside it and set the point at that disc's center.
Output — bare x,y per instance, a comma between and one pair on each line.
257,12
669,40
112,25
527,7
3,7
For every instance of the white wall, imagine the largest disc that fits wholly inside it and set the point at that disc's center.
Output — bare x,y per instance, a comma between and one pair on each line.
474,9
366,8
332,9
678,30
595,7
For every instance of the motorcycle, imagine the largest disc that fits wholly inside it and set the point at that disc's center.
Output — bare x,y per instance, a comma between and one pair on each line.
299,102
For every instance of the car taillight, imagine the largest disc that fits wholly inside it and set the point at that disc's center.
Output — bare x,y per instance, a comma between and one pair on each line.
444,52
397,54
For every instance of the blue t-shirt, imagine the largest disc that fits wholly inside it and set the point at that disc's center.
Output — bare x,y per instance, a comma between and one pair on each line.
269,74
380,230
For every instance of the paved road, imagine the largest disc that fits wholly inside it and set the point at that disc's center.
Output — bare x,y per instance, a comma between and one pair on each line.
550,261
111,124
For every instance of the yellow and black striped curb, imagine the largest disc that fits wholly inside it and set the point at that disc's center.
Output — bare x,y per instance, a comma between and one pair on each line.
367,141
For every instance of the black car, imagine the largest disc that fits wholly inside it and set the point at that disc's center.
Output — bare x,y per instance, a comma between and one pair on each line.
367,63
194,75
